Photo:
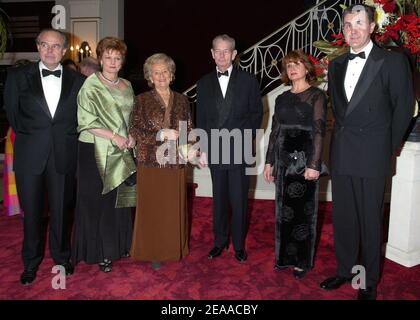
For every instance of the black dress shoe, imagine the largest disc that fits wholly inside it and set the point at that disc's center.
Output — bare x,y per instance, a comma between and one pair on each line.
68,267
215,252
241,255
367,294
299,274
280,268
27,277
334,282
156,265
106,265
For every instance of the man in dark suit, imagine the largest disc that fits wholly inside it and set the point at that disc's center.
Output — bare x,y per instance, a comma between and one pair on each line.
372,99
40,102
228,99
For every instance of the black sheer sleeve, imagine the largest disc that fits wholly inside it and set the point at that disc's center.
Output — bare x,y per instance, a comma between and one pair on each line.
275,128
319,105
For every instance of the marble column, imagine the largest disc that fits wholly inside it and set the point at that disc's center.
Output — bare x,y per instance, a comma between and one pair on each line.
403,244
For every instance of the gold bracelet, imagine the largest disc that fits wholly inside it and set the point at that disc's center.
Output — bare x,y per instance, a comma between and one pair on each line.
113,136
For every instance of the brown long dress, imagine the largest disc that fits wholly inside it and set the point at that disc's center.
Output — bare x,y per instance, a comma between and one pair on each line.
161,223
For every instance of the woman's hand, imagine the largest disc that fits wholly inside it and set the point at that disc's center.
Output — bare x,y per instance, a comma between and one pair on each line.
202,161
267,173
131,143
121,142
170,134
311,174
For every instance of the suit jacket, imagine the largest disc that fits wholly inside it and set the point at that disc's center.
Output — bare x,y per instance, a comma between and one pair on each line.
37,133
241,109
370,127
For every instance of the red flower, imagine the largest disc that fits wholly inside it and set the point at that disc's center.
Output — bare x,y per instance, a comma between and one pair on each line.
339,40
319,68
388,5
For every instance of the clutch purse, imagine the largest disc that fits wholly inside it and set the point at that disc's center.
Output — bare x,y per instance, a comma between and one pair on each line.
131,180
183,151
295,164
186,153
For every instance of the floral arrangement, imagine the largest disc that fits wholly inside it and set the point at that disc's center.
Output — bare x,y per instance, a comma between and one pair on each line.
398,24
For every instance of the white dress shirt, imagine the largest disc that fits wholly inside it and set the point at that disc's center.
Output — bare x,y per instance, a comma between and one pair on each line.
51,85
224,81
354,70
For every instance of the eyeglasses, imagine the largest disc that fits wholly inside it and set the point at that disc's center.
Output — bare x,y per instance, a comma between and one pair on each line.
45,46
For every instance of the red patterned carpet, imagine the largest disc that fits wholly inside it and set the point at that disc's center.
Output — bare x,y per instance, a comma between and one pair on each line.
196,277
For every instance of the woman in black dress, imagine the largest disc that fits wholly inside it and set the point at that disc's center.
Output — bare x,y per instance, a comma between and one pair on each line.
293,162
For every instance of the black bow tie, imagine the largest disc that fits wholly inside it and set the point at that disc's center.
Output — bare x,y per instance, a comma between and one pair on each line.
226,73
361,55
46,73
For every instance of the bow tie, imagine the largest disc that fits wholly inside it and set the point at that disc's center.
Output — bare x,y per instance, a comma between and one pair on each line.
46,73
361,55
226,73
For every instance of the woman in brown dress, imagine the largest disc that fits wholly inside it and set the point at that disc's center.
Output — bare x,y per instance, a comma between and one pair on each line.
159,117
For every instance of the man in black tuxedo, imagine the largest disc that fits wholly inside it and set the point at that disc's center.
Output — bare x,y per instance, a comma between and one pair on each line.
228,99
40,102
372,100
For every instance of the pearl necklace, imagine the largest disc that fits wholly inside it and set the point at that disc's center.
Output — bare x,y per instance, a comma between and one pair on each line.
111,82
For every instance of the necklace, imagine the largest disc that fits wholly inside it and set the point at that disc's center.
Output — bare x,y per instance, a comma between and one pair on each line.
112,82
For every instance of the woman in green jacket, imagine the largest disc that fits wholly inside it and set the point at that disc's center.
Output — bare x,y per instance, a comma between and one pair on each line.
103,222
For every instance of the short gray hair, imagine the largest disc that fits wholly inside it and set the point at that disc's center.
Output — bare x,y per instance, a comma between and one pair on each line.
224,37
158,58
358,7
62,35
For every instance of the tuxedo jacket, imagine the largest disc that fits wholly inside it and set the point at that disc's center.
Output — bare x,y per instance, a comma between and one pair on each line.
241,109
37,132
370,127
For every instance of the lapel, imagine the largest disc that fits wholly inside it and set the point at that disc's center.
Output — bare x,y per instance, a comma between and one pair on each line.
66,85
34,80
231,88
171,105
340,74
224,105
336,81
371,68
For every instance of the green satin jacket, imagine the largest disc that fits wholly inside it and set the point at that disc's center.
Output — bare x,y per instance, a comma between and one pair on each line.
99,108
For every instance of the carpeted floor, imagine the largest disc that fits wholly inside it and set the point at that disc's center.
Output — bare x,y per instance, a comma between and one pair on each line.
196,277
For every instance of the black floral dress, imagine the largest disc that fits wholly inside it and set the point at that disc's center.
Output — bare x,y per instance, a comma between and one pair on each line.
296,139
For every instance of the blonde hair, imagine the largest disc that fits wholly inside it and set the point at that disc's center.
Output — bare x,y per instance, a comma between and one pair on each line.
158,58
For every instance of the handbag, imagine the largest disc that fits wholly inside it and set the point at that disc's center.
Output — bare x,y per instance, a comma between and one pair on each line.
296,164
186,153
131,180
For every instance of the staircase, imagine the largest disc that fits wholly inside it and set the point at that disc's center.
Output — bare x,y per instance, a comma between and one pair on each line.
264,58
264,61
